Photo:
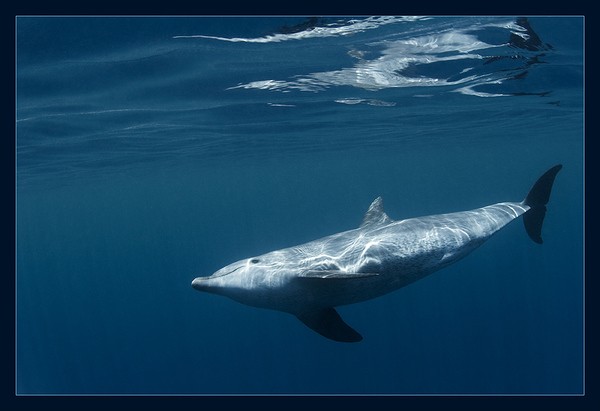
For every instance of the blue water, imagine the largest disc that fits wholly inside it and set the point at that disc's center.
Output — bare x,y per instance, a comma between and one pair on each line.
154,150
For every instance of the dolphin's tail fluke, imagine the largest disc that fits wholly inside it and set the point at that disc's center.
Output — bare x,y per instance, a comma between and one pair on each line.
536,199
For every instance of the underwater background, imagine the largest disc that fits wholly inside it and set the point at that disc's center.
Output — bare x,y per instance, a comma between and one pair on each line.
152,150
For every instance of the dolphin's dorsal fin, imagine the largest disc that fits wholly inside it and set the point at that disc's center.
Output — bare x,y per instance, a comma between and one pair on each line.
328,323
375,214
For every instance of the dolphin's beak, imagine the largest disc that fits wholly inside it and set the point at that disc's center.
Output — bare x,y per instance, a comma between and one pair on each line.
200,283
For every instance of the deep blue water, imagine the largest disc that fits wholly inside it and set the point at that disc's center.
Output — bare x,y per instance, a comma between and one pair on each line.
154,150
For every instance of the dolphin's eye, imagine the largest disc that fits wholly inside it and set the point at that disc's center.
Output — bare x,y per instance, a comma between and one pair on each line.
254,260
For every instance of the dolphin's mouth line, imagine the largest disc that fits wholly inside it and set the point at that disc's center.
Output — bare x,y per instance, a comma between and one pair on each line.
201,283
222,275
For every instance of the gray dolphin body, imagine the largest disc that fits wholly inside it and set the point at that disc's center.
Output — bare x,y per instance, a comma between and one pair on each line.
380,256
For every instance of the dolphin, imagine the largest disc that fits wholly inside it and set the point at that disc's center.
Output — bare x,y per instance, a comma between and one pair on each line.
378,257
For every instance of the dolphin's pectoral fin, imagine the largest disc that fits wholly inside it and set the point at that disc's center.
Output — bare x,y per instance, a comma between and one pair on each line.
334,274
329,324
